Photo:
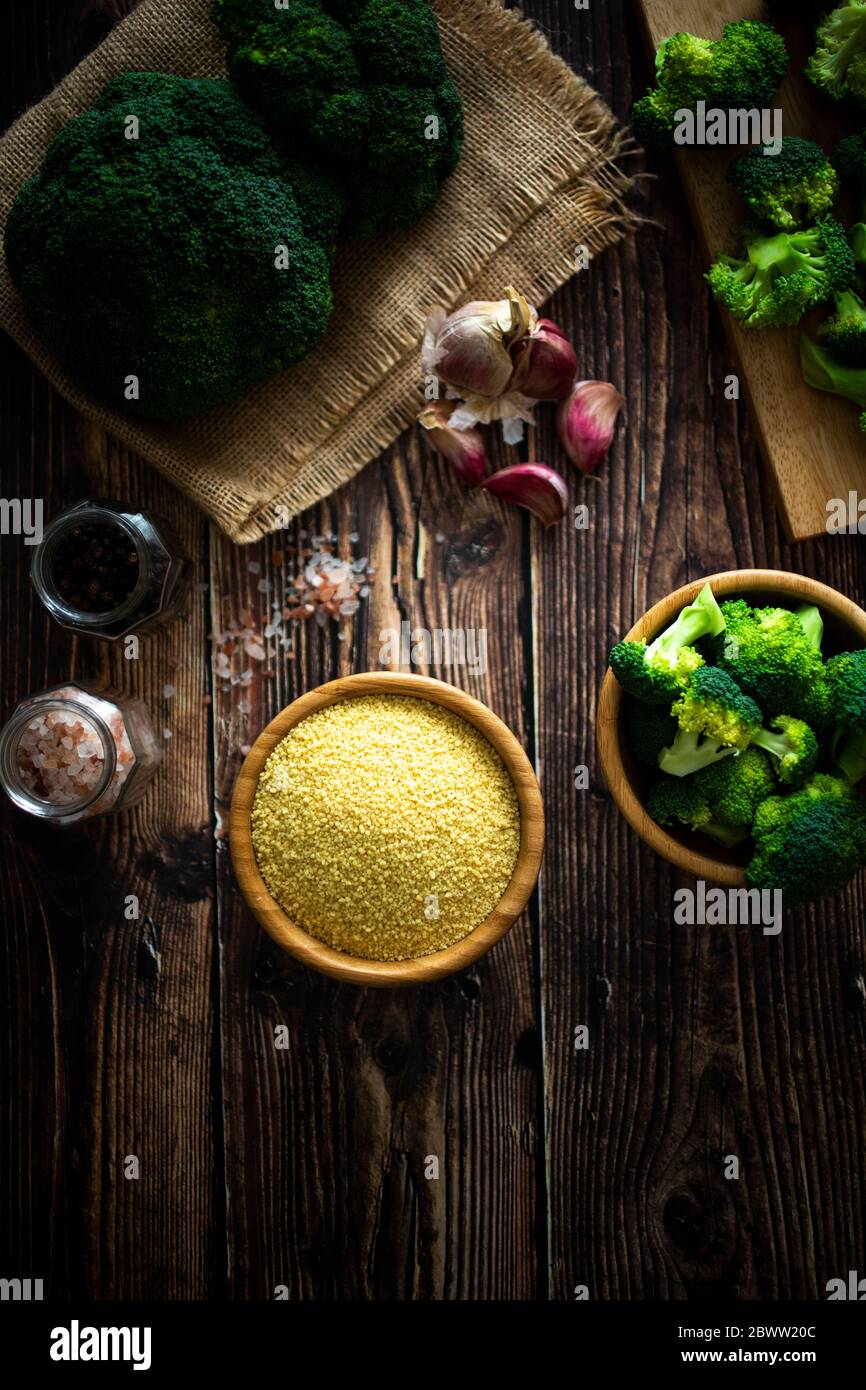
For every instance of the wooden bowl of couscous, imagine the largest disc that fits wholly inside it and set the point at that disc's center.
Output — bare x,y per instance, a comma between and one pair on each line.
386,829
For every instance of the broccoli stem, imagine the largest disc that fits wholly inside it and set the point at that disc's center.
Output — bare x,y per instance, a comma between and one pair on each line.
813,624
690,752
854,44
703,618
728,835
851,755
777,744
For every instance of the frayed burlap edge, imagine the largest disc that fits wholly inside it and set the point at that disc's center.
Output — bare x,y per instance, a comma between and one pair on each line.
579,201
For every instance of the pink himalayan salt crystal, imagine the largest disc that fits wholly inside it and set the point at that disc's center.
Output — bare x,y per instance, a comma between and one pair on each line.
61,758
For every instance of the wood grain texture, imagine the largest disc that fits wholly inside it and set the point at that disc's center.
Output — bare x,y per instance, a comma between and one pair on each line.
810,440
305,1168
325,1158
704,1041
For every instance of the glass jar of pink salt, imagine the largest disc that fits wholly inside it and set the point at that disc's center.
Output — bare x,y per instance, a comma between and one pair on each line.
72,752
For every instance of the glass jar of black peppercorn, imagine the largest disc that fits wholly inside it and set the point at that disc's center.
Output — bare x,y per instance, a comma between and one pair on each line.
108,571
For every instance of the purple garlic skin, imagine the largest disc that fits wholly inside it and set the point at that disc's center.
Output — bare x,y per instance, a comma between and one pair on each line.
464,449
586,421
541,490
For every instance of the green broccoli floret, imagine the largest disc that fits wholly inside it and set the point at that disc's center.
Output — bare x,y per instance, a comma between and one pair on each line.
793,746
735,787
673,801
360,86
846,682
156,257
649,729
849,161
811,843
844,333
742,69
823,372
713,706
838,65
658,672
771,655
790,189
780,277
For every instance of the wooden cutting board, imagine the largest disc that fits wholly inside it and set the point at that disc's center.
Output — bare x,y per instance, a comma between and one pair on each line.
811,441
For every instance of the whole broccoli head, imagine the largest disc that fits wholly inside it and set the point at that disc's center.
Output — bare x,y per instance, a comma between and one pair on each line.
155,257
674,801
838,65
772,655
846,683
780,277
713,706
790,189
734,788
794,748
659,672
362,86
741,69
811,843
649,729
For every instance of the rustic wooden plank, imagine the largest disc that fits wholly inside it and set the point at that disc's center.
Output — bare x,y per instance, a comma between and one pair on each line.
326,1142
810,440
107,1049
704,1041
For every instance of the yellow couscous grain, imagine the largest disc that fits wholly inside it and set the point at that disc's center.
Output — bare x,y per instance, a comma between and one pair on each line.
386,826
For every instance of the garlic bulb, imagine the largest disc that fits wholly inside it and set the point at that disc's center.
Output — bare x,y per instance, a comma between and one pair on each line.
469,350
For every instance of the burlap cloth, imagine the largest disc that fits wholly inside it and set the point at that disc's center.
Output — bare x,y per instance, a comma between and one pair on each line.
537,179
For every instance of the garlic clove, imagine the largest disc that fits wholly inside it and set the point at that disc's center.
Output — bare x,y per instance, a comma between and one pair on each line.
541,490
463,448
586,422
545,363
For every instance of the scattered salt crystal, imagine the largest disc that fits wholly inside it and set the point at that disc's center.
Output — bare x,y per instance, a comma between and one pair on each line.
254,648
439,538
169,692
166,733
245,748
254,567
264,586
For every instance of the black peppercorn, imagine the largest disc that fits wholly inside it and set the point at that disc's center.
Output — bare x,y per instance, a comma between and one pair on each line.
93,567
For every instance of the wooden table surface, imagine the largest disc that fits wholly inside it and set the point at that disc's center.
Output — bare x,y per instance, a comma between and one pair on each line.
305,1168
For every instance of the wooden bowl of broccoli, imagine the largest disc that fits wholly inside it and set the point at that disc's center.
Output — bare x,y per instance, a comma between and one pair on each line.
732,720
